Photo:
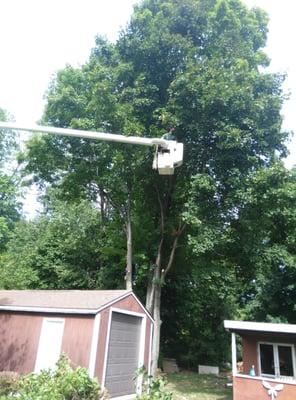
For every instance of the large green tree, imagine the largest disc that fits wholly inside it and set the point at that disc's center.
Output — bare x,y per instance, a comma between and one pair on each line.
265,245
193,67
65,247
9,183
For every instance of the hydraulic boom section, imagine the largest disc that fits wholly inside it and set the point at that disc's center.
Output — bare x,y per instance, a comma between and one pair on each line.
168,154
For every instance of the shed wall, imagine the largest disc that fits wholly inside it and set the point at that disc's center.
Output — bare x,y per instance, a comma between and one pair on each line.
77,339
250,356
20,332
128,303
250,349
19,339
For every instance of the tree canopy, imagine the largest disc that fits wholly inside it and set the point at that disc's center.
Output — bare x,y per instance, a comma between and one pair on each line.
64,248
197,69
9,204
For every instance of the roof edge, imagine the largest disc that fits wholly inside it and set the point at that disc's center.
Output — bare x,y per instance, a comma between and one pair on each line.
77,311
130,292
52,310
61,310
144,308
259,326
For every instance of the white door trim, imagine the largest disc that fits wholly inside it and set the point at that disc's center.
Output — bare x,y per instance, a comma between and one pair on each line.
42,333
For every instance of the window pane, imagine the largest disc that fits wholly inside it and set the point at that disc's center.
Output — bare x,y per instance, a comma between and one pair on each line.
266,357
285,361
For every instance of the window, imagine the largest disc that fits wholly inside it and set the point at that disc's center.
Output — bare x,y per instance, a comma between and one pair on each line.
267,359
277,360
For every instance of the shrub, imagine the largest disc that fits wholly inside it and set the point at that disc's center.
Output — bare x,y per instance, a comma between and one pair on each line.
153,388
9,383
62,383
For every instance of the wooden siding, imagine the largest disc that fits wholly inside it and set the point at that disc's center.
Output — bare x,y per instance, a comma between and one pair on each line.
247,388
77,339
130,304
102,344
147,343
19,338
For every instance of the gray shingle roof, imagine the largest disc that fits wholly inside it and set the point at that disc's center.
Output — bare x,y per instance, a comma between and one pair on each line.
59,299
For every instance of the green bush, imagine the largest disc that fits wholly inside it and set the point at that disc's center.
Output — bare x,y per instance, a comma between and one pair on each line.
9,383
153,388
62,383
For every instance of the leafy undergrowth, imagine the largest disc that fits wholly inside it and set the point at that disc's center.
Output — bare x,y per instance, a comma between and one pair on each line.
191,386
61,383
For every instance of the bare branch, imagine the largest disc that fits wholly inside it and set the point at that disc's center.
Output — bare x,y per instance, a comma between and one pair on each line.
162,213
173,250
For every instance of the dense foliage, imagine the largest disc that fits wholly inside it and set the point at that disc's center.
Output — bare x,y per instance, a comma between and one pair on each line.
209,240
9,205
266,246
9,384
65,248
153,388
61,383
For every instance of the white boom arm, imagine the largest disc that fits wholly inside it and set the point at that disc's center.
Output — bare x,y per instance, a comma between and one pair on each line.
169,153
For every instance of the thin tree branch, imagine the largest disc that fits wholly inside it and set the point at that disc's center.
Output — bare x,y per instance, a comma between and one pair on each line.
162,213
173,250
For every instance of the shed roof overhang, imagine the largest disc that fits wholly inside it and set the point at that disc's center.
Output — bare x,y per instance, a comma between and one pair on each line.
245,327
86,302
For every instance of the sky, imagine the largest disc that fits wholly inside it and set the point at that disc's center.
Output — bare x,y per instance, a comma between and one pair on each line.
280,48
37,38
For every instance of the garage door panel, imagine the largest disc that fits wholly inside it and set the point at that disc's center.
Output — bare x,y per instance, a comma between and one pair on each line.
128,347
123,343
127,360
122,357
115,370
123,354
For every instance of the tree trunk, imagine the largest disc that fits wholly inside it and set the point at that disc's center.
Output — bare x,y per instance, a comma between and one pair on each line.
150,295
155,307
129,249
155,292
102,205
157,326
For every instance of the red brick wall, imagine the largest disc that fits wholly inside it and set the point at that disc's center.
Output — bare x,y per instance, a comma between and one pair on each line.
252,389
250,356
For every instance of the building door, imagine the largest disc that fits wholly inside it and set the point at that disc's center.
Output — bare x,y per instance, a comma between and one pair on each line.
50,343
123,354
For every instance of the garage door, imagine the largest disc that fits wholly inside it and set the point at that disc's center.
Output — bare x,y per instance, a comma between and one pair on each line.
123,354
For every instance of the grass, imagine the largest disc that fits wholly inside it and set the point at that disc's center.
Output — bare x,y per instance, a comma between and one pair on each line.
191,386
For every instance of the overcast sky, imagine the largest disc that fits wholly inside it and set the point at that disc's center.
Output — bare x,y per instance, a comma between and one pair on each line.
280,48
38,37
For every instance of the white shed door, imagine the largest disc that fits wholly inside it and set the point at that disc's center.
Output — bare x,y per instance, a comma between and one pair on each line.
123,354
50,343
